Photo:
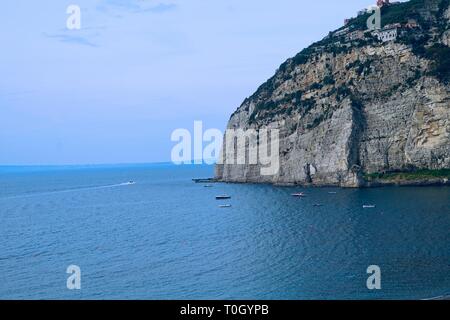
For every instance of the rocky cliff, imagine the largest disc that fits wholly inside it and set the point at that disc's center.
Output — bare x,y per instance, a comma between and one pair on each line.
352,109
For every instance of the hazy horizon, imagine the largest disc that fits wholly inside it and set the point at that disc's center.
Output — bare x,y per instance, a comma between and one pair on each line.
101,164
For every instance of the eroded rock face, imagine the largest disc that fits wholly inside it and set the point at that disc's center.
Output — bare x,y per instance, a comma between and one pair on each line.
353,109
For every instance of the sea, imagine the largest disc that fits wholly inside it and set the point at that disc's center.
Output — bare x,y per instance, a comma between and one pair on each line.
162,236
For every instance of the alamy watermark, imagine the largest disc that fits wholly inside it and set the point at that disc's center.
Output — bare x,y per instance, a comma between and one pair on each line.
235,147
374,280
74,280
74,20
374,21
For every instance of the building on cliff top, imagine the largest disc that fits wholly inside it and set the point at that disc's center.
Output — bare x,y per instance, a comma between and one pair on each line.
341,32
382,3
355,35
387,34
411,24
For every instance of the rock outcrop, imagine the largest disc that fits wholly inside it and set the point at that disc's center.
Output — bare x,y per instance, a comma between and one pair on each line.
351,106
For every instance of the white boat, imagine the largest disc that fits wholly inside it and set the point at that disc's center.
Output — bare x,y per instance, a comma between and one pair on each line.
369,206
225,206
300,194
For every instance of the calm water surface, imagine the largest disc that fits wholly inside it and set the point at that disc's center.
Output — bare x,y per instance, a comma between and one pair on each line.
166,238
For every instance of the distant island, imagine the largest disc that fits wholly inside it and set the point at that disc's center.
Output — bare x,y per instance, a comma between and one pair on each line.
360,107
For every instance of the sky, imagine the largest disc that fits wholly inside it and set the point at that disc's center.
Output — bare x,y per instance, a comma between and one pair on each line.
114,90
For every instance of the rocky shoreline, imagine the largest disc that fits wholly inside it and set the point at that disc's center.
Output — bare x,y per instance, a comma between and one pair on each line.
366,184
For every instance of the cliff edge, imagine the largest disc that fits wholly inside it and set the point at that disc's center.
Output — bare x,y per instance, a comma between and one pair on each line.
360,108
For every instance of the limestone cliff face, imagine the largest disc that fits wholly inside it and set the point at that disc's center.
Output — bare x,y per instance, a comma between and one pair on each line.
350,107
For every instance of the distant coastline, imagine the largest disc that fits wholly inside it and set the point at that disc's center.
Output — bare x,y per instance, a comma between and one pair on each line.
37,167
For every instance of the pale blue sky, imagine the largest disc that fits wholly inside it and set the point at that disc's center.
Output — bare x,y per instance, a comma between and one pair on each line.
114,91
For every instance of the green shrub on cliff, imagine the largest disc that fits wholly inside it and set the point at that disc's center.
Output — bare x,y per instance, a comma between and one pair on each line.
409,175
439,54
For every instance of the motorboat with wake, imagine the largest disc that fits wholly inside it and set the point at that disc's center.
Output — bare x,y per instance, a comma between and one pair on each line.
298,195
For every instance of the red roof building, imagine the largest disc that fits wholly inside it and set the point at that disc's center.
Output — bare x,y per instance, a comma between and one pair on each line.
381,3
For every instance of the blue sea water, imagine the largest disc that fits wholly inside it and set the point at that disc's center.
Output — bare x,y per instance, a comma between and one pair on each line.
166,238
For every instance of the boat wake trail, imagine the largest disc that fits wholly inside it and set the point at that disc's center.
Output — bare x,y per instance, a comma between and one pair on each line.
443,297
39,194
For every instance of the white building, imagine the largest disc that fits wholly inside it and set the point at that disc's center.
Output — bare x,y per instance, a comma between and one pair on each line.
355,35
387,34
341,32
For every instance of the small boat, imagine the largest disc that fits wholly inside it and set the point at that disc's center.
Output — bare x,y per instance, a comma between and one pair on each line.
225,206
131,182
332,192
208,186
204,180
317,205
300,194
223,197
369,206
